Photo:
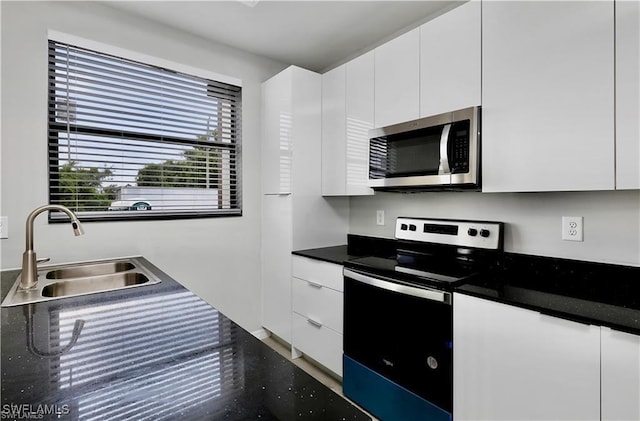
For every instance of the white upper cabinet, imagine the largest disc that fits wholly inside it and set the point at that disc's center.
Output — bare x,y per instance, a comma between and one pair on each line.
450,60
620,375
397,80
627,95
360,119
347,117
515,364
334,132
548,96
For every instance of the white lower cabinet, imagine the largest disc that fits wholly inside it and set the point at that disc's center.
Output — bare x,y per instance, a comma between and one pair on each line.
512,363
620,376
317,311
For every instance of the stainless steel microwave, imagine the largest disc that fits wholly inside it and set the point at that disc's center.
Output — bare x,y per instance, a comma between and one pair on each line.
437,152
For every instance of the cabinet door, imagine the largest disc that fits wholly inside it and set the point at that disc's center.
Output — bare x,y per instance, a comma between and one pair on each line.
276,265
397,80
515,364
620,376
547,96
627,94
277,128
359,111
334,132
450,60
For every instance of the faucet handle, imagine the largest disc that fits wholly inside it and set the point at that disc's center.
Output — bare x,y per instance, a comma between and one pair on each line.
43,260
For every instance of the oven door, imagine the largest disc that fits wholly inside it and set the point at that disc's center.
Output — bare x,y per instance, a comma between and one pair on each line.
397,348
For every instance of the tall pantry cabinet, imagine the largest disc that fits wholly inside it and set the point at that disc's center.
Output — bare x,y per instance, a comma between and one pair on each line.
295,216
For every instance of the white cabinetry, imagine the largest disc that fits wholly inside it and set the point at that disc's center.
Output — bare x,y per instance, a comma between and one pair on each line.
276,135
511,363
318,311
450,60
548,96
397,80
360,119
627,94
334,130
294,213
347,116
620,376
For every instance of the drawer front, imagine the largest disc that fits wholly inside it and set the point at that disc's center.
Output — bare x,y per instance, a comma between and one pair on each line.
318,342
323,273
319,303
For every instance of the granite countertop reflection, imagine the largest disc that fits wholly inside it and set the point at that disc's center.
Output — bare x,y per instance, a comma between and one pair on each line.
155,352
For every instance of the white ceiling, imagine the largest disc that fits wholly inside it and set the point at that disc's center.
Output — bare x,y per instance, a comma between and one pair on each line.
316,35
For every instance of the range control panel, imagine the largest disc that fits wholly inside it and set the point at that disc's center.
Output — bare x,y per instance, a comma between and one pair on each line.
478,234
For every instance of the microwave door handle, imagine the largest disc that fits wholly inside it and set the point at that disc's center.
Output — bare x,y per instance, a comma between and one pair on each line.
444,151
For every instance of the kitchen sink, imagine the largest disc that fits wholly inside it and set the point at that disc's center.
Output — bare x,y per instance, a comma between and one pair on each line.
87,270
75,279
94,284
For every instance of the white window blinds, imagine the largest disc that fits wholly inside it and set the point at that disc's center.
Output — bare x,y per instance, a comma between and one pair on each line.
131,140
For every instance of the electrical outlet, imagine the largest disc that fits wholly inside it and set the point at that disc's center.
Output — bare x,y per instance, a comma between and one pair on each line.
4,227
572,228
380,217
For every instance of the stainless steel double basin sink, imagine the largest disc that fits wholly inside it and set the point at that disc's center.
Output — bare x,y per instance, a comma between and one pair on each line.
74,279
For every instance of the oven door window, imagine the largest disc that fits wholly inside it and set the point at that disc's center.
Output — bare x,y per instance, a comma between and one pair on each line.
415,153
401,337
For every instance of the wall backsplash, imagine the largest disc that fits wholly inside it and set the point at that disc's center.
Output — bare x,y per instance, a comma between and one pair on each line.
533,220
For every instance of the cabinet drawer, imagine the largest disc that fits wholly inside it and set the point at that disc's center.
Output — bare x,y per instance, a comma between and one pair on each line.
322,304
318,342
317,271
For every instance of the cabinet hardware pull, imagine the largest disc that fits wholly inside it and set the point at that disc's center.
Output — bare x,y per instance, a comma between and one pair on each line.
313,322
314,284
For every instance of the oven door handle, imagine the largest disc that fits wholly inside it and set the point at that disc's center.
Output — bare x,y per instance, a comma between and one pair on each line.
380,282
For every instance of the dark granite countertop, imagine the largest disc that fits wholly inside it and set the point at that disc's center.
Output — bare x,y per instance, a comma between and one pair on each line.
357,246
155,352
335,254
587,292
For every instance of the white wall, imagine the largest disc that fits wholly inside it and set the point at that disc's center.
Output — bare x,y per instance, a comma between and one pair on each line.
219,258
533,220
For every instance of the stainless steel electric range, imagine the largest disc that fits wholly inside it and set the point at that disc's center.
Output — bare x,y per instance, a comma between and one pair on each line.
398,316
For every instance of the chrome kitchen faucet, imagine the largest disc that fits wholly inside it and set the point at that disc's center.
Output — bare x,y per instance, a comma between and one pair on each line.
29,276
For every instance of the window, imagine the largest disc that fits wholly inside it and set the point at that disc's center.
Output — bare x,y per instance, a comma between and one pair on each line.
131,140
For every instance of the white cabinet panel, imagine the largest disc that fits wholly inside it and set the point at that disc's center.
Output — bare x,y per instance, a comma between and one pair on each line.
360,114
547,96
347,116
319,303
627,94
515,364
318,342
620,376
334,132
397,79
450,60
319,272
276,265
277,151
